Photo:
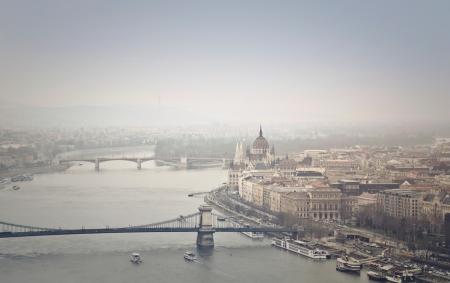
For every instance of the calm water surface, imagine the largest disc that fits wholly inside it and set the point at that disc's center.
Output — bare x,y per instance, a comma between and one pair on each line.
120,195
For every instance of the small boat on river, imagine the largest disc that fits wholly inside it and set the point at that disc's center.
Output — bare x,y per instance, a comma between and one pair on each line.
189,256
136,258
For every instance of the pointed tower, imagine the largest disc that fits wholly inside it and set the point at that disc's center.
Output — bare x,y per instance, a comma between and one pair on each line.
237,154
243,152
260,131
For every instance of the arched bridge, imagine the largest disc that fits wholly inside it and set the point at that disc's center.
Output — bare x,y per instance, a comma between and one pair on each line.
97,161
205,223
182,162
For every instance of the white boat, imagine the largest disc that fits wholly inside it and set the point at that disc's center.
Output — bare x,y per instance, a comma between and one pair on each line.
254,235
348,264
376,276
190,256
394,278
300,247
136,258
408,275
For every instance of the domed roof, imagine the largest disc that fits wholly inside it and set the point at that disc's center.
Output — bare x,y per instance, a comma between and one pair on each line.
260,142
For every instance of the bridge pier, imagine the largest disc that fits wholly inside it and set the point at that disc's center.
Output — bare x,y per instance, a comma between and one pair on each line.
97,165
139,164
205,234
184,162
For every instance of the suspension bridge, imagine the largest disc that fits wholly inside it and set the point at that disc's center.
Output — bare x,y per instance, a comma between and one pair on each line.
204,222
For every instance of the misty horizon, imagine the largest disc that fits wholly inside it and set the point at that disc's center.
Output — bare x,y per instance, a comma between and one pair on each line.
206,62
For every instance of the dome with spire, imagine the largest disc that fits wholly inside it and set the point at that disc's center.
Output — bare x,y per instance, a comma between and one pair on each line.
260,145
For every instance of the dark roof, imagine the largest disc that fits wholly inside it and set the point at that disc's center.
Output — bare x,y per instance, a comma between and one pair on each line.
428,197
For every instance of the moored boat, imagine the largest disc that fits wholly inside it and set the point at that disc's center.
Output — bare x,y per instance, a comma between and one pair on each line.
301,247
254,235
21,178
408,275
394,278
376,276
347,264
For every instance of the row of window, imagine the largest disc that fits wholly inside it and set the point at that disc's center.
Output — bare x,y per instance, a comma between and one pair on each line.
325,195
321,206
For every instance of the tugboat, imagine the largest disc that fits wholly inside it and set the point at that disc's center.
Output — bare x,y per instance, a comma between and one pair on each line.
376,276
346,264
189,256
136,258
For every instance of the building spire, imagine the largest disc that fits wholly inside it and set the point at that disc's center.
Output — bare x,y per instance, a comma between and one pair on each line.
260,131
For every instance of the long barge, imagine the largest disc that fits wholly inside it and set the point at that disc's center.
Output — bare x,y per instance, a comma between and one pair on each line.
307,249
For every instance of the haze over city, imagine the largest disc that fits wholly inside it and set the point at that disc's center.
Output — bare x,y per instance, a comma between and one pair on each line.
232,61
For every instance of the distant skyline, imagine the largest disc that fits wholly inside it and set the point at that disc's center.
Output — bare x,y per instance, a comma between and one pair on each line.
230,61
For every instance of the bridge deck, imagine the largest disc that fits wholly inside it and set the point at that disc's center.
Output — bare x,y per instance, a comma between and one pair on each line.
57,232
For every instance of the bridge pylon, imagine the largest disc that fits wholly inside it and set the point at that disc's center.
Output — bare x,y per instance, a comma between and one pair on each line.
139,164
205,234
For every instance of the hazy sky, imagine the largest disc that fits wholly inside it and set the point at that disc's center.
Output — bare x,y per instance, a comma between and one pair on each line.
229,60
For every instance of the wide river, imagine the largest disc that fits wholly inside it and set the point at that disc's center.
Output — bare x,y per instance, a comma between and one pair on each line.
121,195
